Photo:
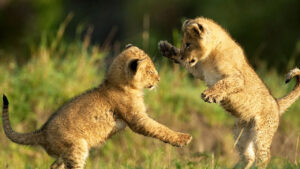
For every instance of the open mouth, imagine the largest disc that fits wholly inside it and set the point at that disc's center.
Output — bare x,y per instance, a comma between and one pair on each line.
193,62
150,87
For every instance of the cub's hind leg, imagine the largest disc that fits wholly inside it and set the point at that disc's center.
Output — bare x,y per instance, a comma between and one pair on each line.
57,164
74,157
244,132
264,133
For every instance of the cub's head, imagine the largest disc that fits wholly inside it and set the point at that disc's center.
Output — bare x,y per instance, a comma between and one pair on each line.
133,68
200,37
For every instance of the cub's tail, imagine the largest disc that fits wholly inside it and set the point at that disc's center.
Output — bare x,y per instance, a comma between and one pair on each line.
33,138
286,101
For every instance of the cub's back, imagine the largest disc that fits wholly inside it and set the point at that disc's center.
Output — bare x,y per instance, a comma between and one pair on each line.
88,116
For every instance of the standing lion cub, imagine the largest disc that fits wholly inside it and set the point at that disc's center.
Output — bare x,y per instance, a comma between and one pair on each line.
210,54
94,116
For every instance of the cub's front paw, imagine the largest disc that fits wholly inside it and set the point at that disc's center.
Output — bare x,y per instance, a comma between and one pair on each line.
211,96
183,139
168,50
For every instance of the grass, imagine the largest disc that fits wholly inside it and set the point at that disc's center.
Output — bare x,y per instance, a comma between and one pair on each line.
58,71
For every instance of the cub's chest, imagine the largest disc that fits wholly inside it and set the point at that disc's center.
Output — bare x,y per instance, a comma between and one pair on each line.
210,74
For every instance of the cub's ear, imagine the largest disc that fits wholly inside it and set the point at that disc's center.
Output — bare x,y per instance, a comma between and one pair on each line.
185,24
197,29
134,64
200,27
128,45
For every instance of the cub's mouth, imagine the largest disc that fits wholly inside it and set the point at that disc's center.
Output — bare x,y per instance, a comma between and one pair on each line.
192,61
150,87
189,61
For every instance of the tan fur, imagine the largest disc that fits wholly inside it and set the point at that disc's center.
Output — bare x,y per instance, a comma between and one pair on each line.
210,54
92,117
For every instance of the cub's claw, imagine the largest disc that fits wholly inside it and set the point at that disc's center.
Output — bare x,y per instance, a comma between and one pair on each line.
168,50
211,97
183,140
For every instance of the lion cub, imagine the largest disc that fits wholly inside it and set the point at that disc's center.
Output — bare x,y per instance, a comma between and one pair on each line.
94,116
210,54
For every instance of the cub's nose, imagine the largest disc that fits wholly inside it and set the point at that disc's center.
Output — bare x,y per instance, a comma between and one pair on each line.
158,78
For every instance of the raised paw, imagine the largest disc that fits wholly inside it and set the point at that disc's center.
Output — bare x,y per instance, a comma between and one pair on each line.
183,139
211,96
168,50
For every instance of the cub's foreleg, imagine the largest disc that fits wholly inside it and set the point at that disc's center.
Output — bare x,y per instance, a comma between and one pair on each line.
143,124
221,89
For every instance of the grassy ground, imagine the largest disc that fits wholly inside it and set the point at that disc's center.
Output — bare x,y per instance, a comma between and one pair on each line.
58,71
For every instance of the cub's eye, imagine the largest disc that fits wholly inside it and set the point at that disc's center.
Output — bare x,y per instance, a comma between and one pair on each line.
187,45
150,72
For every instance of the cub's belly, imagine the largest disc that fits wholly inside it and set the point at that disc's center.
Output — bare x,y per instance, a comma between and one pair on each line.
242,106
119,125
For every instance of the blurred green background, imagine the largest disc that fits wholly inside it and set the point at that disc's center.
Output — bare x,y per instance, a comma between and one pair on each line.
52,50
267,30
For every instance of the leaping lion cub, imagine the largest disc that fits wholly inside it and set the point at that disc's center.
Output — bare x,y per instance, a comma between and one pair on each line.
210,54
94,116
